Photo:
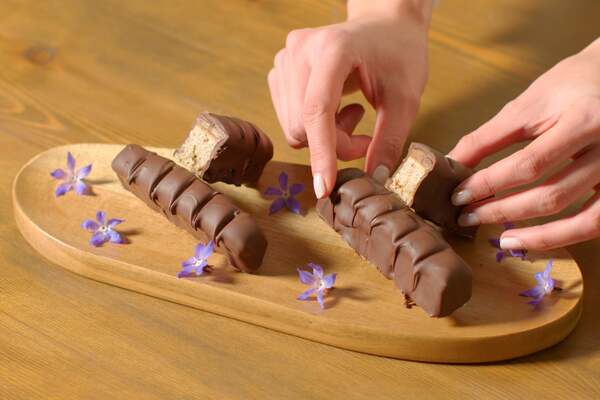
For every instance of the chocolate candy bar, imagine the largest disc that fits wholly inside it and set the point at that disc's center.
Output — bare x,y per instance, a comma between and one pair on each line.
191,204
405,248
425,181
225,149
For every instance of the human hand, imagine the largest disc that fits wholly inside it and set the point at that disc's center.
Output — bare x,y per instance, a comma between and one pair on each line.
560,113
382,50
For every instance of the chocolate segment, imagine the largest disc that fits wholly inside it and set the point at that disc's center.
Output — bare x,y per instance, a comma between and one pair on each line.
225,149
425,181
192,205
405,248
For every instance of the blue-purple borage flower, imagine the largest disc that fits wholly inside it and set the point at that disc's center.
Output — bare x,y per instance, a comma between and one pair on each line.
197,264
285,195
71,179
103,230
501,253
319,284
545,285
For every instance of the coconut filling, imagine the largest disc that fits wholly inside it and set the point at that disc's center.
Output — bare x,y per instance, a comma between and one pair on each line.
406,180
200,147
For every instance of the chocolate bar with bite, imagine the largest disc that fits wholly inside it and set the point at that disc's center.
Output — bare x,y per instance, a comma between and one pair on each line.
425,181
225,149
192,205
405,248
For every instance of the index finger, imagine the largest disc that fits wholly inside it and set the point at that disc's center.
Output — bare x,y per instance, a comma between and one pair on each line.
323,95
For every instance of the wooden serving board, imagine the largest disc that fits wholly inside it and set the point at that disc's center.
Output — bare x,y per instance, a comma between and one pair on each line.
365,312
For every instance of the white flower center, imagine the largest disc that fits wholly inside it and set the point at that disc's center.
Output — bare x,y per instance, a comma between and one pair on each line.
198,262
103,229
548,287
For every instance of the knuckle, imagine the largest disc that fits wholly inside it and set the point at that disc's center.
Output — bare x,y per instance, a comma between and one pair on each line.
314,110
469,141
278,59
529,167
333,41
496,215
294,39
553,201
484,184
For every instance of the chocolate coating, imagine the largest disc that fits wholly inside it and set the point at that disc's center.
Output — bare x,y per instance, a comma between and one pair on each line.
240,159
431,196
380,228
192,205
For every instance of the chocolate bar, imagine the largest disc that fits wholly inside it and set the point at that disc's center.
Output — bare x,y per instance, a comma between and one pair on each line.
225,149
192,205
425,181
403,247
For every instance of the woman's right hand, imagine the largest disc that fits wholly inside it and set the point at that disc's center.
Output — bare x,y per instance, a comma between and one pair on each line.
382,50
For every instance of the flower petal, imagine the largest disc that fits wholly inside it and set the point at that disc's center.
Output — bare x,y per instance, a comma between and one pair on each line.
320,298
495,242
271,191
306,277
115,237
70,161
200,268
204,251
499,255
296,188
536,302
533,292
101,217
62,189
90,225
113,222
283,181
99,238
81,188
306,294
83,172
293,205
277,205
329,280
189,262
317,270
58,173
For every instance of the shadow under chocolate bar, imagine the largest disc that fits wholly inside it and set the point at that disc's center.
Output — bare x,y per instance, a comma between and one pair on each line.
425,181
380,228
225,149
192,205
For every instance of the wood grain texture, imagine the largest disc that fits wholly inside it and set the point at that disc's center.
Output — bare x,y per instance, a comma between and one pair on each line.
365,312
87,71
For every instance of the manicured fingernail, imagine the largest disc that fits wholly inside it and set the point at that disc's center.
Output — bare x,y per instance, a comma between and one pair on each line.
511,243
319,185
381,174
469,219
462,197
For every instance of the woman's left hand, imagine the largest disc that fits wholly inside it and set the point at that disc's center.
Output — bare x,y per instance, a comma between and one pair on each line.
560,113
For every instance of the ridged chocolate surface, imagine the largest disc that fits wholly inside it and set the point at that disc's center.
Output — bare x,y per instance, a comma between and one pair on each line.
375,223
192,205
244,154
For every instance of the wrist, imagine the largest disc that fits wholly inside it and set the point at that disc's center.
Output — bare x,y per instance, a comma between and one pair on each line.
419,10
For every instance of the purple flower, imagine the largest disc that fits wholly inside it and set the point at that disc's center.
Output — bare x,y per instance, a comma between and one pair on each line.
102,231
318,283
545,285
199,262
501,253
285,195
70,178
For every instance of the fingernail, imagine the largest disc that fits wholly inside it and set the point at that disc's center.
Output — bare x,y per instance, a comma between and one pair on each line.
462,197
469,219
511,243
381,174
319,185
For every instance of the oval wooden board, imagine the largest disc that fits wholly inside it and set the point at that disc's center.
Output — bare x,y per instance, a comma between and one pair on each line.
363,313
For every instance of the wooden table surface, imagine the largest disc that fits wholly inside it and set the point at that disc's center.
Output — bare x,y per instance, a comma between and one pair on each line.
136,71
